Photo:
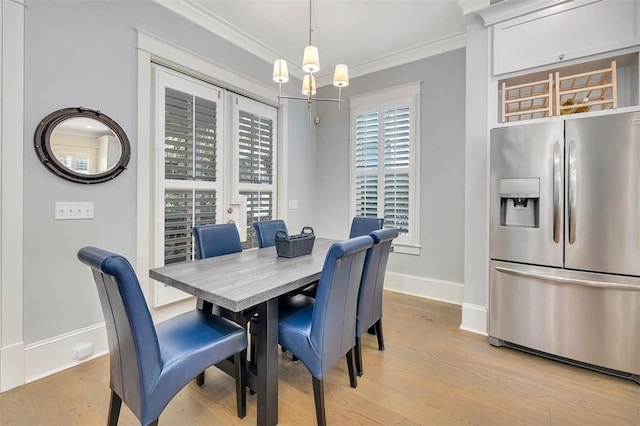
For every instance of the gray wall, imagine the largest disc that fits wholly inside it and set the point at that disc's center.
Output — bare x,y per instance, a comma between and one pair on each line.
83,53
442,163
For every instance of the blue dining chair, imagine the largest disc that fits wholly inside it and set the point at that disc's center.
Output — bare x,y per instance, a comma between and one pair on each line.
150,364
365,225
370,295
217,240
322,330
266,231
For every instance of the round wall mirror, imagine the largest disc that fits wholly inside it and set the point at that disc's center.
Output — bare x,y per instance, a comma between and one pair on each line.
82,145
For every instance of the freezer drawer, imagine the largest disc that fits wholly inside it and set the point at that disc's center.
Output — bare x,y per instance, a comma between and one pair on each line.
587,317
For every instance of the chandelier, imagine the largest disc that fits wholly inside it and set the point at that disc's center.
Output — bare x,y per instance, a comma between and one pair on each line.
310,65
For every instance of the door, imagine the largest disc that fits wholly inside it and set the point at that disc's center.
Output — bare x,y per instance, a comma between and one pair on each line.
526,193
603,194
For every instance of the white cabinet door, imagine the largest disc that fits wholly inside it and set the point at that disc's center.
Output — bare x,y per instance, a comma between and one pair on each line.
567,31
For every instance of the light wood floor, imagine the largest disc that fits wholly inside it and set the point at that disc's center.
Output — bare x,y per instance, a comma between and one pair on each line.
432,373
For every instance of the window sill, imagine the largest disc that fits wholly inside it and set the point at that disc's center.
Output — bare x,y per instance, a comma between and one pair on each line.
406,249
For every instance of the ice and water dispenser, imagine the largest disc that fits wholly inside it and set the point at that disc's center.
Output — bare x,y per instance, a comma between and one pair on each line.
520,202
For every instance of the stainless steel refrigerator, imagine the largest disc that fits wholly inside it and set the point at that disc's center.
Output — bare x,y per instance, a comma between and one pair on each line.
565,241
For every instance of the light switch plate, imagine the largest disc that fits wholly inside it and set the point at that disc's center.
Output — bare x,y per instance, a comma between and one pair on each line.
293,204
69,211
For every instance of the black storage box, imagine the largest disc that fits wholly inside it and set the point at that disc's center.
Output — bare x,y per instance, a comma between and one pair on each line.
295,245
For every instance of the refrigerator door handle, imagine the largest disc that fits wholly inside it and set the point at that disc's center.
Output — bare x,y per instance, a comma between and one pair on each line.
572,193
565,280
557,193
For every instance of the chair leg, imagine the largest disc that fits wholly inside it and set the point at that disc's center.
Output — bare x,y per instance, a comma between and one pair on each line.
114,409
200,379
318,395
352,374
153,423
372,330
378,327
240,363
358,356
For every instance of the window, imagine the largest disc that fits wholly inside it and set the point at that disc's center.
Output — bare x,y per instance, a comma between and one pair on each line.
385,129
215,162
150,151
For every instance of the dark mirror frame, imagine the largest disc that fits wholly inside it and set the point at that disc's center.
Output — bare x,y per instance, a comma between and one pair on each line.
42,142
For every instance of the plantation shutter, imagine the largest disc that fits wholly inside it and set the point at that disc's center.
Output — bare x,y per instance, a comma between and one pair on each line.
255,148
259,208
190,169
256,144
190,137
367,136
397,145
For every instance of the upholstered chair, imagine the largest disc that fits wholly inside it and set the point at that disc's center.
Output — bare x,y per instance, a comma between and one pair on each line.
365,225
322,330
370,295
150,364
266,231
217,240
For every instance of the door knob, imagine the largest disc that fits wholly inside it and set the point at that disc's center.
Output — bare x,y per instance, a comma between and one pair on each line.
231,221
230,210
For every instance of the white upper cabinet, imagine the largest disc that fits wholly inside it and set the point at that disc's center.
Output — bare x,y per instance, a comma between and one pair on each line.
564,32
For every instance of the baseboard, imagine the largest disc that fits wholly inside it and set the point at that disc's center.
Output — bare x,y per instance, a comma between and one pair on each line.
444,291
56,354
12,368
474,318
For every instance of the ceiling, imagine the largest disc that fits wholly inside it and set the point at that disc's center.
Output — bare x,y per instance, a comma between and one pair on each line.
367,35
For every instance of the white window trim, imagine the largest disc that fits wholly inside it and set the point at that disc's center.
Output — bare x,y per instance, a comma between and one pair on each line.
152,48
389,96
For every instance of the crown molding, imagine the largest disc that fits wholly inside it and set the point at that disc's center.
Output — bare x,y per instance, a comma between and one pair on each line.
508,9
197,14
454,42
471,6
206,19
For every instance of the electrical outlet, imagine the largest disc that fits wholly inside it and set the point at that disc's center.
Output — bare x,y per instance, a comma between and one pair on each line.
83,351
67,211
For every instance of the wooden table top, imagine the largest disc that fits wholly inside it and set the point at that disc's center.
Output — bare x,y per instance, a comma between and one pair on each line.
242,280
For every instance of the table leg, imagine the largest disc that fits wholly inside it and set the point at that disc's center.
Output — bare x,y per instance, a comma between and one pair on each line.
267,363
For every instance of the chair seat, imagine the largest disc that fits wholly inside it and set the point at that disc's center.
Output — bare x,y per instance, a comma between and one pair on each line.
206,339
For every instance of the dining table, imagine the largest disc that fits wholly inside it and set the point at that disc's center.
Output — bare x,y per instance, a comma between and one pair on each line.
240,282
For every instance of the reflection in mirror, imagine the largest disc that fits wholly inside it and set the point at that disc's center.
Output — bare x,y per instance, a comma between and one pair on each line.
82,145
85,145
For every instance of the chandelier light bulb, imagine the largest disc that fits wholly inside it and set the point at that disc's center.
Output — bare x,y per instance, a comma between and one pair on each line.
309,81
311,59
341,76
280,71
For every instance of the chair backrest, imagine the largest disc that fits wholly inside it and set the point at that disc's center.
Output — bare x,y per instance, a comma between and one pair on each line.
333,323
134,352
364,225
216,240
375,265
266,231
